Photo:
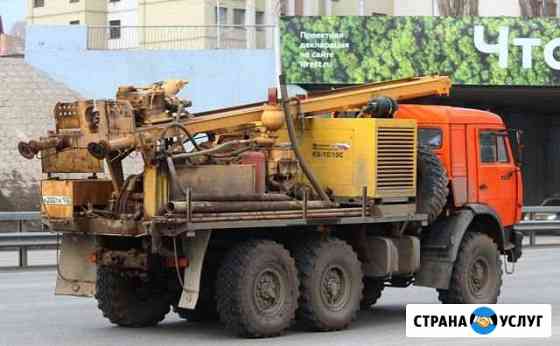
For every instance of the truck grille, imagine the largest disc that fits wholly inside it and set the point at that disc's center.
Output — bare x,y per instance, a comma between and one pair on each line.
396,161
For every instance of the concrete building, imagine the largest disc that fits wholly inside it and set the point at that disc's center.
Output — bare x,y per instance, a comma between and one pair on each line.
250,12
210,24
63,12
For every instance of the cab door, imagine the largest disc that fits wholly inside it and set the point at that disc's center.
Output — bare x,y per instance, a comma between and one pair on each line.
497,174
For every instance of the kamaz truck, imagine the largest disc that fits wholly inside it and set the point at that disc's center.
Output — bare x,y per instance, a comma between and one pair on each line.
295,209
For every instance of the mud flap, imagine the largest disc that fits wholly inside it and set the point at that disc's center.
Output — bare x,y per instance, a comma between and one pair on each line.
195,251
76,275
439,250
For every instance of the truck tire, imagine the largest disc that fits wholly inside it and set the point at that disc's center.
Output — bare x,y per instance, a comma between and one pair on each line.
432,180
129,301
477,272
372,292
331,284
257,289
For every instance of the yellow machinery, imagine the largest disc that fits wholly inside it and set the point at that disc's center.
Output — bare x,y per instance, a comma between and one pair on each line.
346,154
349,154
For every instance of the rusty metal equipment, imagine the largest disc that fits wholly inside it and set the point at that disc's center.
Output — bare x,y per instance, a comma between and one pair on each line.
154,122
335,158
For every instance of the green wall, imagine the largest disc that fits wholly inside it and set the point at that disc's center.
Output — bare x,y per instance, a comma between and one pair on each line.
343,50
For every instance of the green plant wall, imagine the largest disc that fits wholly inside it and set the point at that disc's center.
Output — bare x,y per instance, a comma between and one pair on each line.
344,50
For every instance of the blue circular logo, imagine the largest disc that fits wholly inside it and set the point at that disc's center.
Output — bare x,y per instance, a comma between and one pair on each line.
484,320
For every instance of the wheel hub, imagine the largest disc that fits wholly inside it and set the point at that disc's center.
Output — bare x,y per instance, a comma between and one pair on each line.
268,291
478,275
334,288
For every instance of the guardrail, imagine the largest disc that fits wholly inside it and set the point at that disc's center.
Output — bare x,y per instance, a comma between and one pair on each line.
180,37
21,241
539,219
536,219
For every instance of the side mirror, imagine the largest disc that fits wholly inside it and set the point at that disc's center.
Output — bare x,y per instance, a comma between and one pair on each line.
516,145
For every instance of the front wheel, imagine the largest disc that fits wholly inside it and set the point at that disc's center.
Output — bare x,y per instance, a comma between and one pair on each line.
477,273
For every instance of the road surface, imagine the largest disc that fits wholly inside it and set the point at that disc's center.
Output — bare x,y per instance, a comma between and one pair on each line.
31,315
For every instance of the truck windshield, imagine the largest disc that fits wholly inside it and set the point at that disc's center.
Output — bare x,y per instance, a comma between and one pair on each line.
431,137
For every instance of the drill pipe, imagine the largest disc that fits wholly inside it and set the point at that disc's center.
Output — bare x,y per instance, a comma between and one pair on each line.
318,213
253,197
243,206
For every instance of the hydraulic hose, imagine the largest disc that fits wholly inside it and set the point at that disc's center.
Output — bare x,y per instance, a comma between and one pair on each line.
216,149
295,145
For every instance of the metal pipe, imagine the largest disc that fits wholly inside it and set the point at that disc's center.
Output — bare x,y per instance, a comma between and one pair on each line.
281,212
32,148
263,197
243,206
188,203
305,204
295,146
297,215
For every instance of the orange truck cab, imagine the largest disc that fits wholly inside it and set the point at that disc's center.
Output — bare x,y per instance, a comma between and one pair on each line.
485,181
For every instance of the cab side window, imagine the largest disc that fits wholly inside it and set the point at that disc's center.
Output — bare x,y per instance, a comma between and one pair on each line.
430,137
493,147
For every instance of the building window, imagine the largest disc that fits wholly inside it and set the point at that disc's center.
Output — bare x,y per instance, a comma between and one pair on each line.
114,0
551,9
115,29
38,3
238,16
259,20
259,17
74,22
283,8
223,15
299,7
71,1
538,8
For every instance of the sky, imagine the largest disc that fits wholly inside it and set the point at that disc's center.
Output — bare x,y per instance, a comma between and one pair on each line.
12,11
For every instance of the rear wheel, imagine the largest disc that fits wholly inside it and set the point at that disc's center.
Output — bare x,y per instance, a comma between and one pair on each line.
477,273
331,284
130,301
257,289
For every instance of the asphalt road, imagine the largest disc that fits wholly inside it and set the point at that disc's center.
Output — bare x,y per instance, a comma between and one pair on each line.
31,315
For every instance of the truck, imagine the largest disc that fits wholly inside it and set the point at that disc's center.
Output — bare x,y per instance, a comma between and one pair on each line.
296,208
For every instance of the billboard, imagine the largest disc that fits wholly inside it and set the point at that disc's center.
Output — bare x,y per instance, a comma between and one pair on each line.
511,51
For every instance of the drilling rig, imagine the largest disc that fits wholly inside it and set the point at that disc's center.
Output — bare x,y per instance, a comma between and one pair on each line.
295,208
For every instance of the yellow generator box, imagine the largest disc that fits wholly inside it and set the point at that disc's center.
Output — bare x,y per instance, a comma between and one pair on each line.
60,196
349,153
